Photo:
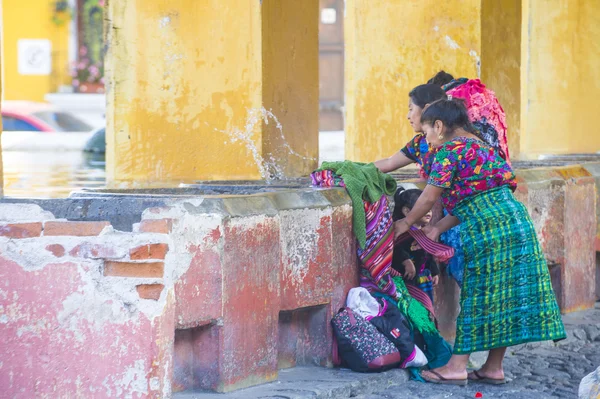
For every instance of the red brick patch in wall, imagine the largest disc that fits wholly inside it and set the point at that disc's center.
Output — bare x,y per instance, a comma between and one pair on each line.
56,249
150,291
80,229
149,251
132,269
21,230
163,226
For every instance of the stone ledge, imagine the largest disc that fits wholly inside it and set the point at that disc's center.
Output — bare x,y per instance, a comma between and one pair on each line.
311,382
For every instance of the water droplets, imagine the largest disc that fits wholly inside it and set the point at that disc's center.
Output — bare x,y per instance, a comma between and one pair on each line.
269,166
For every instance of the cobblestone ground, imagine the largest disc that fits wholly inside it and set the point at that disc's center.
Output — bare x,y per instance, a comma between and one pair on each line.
535,370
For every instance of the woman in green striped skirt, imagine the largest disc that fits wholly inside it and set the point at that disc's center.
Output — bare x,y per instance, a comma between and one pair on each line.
507,296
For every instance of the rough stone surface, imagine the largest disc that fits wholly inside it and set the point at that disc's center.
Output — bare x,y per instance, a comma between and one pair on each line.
535,371
312,382
23,212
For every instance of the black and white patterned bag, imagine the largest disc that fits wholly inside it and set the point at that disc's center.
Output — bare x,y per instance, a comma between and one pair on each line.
360,345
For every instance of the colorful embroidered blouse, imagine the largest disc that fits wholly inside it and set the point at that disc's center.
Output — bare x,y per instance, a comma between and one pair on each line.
417,149
467,167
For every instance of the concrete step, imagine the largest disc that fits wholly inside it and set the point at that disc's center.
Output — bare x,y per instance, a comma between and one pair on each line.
311,382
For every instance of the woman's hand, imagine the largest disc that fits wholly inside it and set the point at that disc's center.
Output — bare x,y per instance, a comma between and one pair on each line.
435,280
432,232
400,227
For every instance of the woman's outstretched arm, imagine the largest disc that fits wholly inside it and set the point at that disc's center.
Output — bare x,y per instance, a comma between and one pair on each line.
396,161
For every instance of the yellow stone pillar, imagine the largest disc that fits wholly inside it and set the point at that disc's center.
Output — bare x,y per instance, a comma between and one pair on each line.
186,83
560,77
391,47
501,61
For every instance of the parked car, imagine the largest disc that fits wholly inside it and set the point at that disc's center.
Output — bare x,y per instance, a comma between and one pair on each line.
29,116
97,142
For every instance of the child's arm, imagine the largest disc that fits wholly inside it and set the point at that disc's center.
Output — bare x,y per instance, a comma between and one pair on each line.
435,271
402,264
409,269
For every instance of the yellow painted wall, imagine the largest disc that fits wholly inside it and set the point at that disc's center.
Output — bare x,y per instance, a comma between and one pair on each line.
560,77
391,47
32,19
291,82
183,73
501,60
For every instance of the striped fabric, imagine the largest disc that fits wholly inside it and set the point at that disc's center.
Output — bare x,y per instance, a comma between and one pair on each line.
440,252
422,297
326,178
507,297
376,257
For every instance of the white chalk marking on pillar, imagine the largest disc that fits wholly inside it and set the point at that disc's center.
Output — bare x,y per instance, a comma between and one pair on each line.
477,59
451,43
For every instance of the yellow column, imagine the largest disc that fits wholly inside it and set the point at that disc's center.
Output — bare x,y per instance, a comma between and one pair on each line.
391,47
560,77
290,51
501,61
188,79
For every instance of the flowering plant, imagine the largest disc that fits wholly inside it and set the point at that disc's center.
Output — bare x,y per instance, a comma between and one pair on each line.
86,71
61,12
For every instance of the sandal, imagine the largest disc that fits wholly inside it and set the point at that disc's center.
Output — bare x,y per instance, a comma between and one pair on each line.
443,380
486,380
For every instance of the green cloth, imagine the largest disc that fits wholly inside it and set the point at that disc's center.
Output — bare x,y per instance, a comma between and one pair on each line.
436,349
364,182
506,297
413,309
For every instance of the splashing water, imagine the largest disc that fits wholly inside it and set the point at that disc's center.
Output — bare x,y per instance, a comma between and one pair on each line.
269,167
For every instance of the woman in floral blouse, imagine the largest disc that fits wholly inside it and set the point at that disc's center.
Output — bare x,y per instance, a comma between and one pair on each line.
419,98
507,296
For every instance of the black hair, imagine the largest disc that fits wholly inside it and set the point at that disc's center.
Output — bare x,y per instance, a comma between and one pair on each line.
441,78
426,94
452,113
404,198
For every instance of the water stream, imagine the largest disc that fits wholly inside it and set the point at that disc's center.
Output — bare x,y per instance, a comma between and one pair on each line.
270,167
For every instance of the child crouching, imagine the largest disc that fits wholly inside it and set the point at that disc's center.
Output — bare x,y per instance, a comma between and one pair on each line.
417,267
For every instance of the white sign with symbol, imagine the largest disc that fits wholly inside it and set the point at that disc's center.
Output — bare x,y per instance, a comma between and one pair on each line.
35,56
328,16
